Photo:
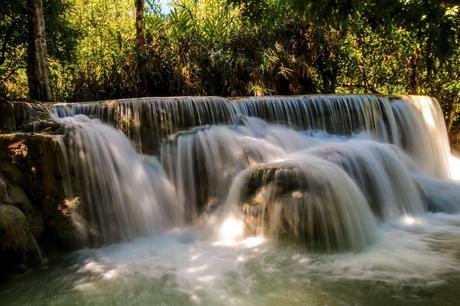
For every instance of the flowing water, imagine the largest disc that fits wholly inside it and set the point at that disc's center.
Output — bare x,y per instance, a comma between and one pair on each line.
309,200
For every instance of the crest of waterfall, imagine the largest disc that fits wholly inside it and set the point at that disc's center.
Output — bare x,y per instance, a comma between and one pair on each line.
423,133
149,120
122,194
415,123
341,115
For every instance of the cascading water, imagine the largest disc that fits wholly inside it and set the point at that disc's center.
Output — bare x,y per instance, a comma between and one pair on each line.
203,143
414,123
397,120
310,200
203,163
356,190
382,172
423,134
148,120
123,194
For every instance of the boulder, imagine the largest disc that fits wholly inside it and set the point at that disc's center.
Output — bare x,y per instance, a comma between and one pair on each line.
18,249
33,181
314,203
15,195
27,117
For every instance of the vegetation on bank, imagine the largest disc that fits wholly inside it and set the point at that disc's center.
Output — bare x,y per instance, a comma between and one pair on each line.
100,49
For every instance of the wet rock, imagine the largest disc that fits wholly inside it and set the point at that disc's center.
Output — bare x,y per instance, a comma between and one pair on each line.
18,249
15,195
27,117
315,204
7,118
2,191
455,141
33,182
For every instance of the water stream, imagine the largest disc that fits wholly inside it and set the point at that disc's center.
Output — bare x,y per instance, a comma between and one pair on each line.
309,200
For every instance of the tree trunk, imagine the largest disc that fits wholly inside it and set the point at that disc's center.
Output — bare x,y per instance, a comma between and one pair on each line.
451,113
414,73
140,47
38,73
140,39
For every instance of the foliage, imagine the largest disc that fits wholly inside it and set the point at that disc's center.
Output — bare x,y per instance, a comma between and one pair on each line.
62,38
243,47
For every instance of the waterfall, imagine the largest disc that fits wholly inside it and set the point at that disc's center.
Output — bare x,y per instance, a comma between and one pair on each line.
310,200
148,120
122,194
414,123
334,114
323,170
203,163
382,173
423,133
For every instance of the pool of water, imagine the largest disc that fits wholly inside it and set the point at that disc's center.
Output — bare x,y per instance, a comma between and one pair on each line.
415,261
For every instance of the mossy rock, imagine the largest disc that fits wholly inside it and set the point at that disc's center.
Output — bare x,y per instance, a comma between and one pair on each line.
315,203
27,117
18,249
15,196
31,171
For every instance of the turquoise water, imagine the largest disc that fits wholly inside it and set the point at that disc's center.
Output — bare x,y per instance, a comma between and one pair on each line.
415,261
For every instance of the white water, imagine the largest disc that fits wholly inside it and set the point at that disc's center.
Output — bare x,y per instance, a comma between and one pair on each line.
123,194
414,123
414,262
332,200
324,211
323,189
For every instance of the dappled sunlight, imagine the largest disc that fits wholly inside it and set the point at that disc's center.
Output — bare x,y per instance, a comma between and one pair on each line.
425,105
231,231
18,149
197,267
409,220
229,152
454,162
252,242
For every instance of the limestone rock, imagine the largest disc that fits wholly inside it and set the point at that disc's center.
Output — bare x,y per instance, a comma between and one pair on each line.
18,248
314,203
33,180
7,118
